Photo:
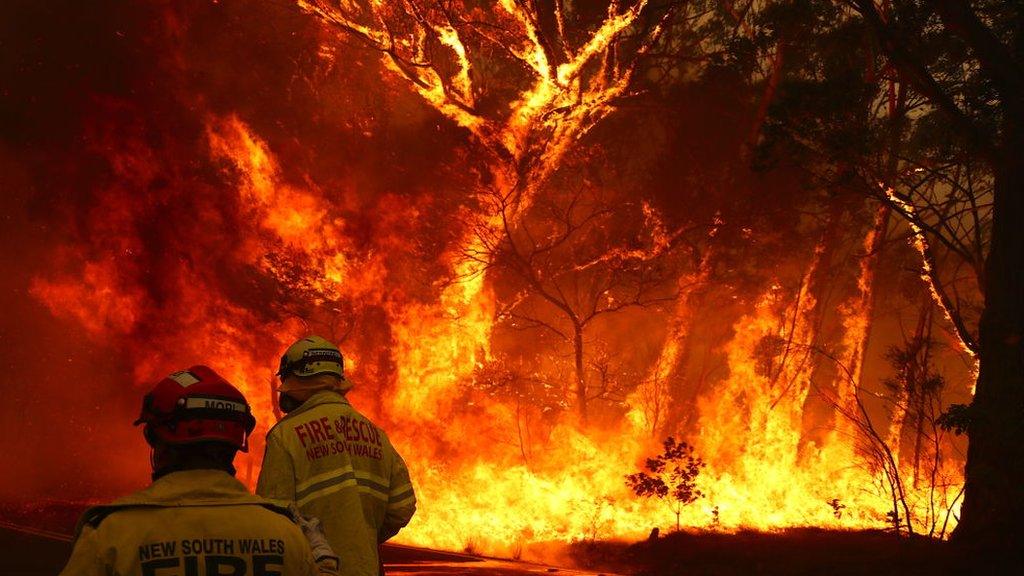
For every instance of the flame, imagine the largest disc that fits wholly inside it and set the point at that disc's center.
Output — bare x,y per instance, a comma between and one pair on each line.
475,491
479,486
649,402
764,474
920,243
440,346
296,217
557,108
101,307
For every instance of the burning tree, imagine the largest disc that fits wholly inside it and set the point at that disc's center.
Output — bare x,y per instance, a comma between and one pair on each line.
527,80
524,387
917,388
673,477
571,272
936,93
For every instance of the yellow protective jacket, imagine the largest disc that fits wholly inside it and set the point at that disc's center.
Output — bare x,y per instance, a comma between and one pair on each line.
190,523
340,467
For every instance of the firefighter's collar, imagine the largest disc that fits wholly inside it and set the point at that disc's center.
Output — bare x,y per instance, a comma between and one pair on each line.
192,488
182,489
319,399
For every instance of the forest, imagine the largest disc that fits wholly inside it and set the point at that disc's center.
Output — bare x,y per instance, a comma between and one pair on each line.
706,266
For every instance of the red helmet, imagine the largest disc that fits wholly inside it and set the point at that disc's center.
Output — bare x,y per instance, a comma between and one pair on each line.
196,405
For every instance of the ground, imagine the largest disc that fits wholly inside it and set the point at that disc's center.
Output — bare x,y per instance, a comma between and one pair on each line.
35,540
800,552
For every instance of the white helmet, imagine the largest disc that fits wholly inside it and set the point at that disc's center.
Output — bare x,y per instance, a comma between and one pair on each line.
311,356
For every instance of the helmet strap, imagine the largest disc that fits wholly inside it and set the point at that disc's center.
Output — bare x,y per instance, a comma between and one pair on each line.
160,462
288,403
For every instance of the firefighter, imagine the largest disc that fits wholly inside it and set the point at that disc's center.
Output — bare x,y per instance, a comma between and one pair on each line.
332,461
196,519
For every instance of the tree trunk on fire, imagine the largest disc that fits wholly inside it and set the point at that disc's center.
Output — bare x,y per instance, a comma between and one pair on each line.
822,287
581,376
993,505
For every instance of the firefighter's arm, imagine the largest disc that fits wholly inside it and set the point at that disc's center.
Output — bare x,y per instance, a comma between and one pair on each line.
86,559
401,501
327,561
304,561
277,475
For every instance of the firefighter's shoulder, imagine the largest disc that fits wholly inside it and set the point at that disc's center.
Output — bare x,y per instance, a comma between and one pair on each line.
93,516
280,507
96,515
280,424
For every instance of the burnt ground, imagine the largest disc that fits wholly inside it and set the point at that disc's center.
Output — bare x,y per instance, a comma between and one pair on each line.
796,552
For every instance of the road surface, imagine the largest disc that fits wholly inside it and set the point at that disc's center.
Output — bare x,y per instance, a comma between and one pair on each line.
28,551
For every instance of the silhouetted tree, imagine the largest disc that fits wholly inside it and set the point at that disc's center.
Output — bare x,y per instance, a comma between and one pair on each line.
672,477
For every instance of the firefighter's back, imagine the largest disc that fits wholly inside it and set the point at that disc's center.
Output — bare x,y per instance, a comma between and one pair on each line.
203,541
346,473
166,530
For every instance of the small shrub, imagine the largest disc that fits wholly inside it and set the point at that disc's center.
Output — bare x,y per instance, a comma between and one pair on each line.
671,476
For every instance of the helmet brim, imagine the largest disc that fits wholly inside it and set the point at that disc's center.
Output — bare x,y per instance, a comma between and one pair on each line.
308,383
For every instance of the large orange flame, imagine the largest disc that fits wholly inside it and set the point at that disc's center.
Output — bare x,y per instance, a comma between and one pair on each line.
477,489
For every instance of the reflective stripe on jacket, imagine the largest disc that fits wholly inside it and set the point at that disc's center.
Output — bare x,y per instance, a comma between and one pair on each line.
193,522
340,467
